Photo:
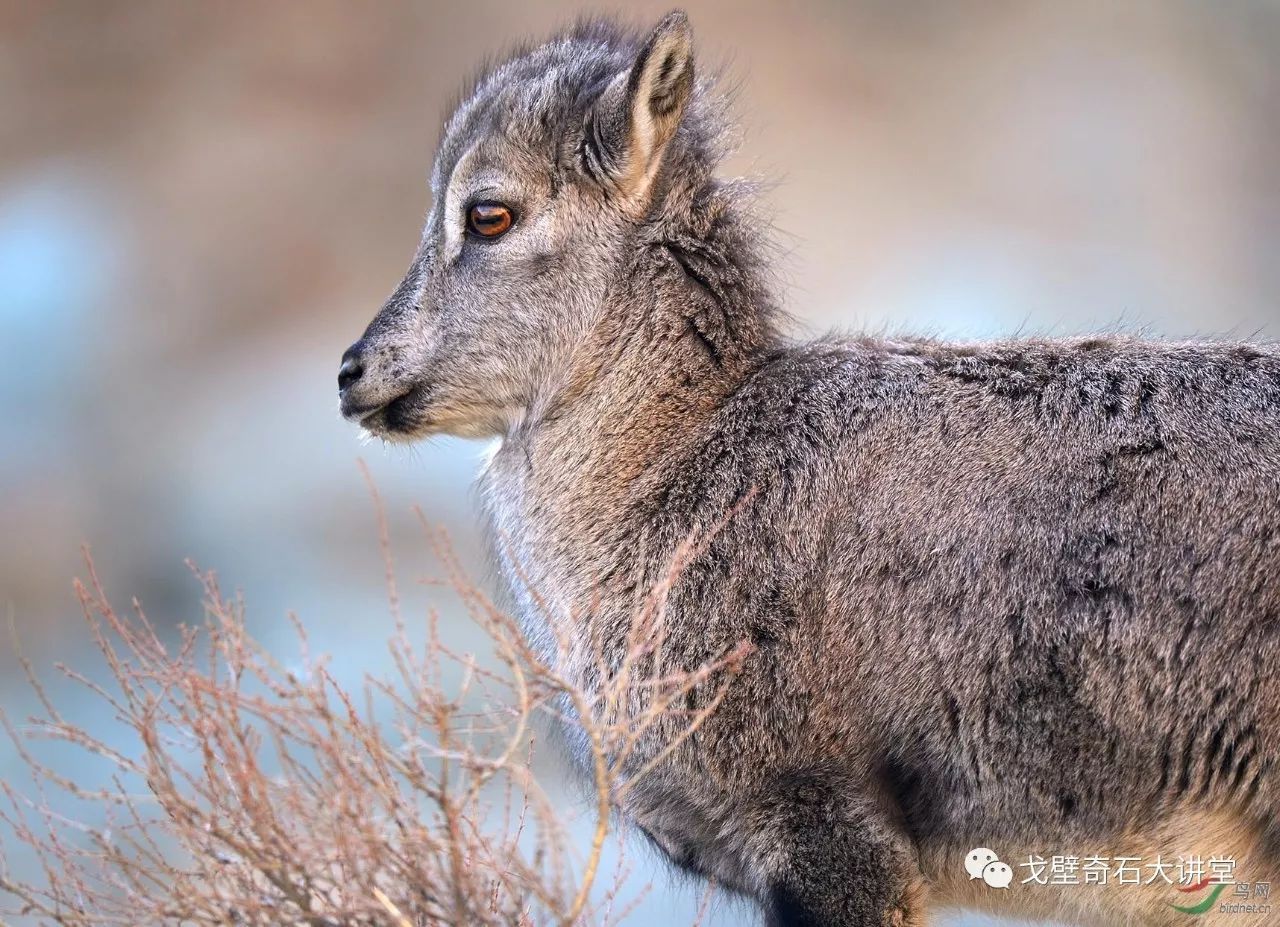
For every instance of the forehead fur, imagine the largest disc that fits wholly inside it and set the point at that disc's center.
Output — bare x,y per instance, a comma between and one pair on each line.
538,95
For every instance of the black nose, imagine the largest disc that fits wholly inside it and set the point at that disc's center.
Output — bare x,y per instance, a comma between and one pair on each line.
351,369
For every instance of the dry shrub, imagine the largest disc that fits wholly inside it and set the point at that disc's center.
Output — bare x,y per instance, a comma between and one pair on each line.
257,794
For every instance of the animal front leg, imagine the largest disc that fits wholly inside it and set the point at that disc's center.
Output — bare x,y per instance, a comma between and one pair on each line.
842,864
842,883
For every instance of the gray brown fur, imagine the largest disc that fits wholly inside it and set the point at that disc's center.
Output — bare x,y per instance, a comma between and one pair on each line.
1021,595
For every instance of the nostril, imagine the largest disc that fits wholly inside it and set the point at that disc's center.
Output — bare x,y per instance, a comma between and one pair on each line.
349,372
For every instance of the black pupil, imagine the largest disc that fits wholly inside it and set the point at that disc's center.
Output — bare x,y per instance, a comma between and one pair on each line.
488,218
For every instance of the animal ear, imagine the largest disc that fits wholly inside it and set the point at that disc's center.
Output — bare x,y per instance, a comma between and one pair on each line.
638,114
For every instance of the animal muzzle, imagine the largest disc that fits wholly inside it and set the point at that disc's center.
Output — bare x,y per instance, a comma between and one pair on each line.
362,388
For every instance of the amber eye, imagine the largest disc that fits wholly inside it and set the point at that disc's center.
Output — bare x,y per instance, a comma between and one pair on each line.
488,220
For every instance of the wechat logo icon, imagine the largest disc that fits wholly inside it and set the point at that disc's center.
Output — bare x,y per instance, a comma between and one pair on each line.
985,865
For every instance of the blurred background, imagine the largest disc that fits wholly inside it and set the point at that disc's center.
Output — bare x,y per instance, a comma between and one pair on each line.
202,205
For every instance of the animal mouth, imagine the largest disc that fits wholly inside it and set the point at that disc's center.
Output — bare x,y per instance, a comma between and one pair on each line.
399,414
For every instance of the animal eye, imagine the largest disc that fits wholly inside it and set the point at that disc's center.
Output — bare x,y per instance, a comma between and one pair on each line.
488,220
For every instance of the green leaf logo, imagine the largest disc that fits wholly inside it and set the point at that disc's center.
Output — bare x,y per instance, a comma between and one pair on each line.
1204,906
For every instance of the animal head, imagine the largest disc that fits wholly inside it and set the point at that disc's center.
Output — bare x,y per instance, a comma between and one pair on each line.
542,179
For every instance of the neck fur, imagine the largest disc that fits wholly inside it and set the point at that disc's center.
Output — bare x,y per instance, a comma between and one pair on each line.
693,311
